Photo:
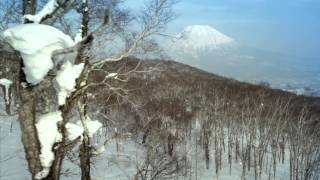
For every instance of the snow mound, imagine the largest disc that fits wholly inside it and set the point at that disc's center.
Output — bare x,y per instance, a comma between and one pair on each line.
36,42
48,135
66,79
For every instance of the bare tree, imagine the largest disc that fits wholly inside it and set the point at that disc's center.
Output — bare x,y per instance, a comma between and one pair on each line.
114,22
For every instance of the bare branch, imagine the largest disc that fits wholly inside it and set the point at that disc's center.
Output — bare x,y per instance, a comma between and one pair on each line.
29,7
153,19
63,7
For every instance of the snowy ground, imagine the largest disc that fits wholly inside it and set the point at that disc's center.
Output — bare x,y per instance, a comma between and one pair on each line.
113,164
120,159
12,162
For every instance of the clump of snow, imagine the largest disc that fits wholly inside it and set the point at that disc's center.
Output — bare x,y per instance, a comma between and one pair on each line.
66,79
42,174
48,134
36,42
78,37
76,130
6,83
45,11
112,75
92,126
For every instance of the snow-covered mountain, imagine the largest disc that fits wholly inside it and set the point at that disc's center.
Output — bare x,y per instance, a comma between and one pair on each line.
205,47
196,40
199,38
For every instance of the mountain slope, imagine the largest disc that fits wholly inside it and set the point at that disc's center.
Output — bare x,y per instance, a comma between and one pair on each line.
188,78
216,126
185,123
173,80
211,50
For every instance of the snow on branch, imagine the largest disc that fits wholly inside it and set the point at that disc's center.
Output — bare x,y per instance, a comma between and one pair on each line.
66,79
36,43
6,83
48,133
85,126
50,12
91,126
112,75
48,9
63,7
75,130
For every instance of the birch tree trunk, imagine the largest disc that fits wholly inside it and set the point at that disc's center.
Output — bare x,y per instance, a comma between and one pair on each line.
29,99
27,111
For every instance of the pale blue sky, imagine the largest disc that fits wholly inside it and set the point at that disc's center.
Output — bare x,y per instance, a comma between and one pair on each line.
286,26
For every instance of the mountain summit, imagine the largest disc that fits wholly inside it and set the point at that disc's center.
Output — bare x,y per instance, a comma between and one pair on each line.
203,36
197,40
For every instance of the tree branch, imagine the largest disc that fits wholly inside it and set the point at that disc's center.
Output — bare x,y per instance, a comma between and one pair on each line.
63,7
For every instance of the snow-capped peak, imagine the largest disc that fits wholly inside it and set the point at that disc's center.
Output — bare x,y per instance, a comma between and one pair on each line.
199,40
199,37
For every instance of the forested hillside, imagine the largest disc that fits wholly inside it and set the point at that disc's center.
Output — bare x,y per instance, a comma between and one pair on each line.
168,105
